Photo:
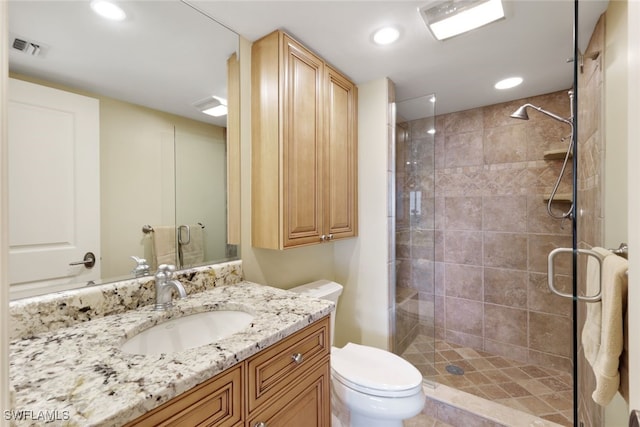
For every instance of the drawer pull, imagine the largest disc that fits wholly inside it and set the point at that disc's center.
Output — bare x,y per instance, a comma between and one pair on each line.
260,424
298,358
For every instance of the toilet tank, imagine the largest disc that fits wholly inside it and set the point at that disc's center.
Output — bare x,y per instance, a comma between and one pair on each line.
323,289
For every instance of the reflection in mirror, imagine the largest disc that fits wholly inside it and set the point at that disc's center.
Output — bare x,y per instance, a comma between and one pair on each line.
157,159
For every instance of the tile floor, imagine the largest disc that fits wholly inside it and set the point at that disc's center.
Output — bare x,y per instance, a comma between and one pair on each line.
537,390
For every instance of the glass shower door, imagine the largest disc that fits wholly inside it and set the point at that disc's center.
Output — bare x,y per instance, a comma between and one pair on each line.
415,291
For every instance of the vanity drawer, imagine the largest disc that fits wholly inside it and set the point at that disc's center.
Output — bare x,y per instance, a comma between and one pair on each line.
276,367
217,401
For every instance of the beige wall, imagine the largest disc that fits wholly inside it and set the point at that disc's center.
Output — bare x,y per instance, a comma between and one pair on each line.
616,136
616,118
633,178
4,224
362,264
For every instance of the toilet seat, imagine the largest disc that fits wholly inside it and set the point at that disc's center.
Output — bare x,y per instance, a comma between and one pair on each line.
374,371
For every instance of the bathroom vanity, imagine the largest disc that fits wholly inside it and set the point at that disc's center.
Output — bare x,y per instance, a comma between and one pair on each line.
285,384
272,371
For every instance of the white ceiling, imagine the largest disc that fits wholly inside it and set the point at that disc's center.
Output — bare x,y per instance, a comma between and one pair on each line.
167,56
534,42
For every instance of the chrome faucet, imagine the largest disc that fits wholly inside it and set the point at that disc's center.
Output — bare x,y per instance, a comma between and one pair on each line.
164,283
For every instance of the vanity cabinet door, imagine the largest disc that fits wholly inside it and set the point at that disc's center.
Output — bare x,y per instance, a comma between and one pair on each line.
272,370
216,402
303,147
305,404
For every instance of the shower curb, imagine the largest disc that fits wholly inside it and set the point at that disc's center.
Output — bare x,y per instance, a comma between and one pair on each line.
462,409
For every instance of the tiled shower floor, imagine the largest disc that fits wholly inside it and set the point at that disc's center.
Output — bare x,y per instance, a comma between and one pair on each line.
537,390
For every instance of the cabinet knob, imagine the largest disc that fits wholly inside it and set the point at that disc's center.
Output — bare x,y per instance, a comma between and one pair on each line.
323,237
298,358
330,236
260,424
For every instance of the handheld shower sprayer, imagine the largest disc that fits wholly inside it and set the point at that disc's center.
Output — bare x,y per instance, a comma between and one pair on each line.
521,113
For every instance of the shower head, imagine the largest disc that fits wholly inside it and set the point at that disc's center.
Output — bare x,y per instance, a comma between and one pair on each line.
521,113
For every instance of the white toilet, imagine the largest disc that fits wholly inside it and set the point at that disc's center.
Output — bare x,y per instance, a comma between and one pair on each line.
370,387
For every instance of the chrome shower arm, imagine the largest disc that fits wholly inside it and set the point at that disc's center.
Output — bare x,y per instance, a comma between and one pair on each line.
555,116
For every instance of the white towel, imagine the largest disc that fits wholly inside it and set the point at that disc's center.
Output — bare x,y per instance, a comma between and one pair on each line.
164,245
603,332
192,253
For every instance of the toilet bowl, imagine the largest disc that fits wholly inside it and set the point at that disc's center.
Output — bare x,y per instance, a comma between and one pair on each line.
370,387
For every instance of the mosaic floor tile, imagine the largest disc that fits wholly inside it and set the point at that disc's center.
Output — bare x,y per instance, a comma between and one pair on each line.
537,390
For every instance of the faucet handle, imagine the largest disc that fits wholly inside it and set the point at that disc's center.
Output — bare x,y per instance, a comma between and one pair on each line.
141,268
167,269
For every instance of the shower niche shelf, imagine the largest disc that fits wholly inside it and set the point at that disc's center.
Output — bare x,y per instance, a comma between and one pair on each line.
561,198
558,154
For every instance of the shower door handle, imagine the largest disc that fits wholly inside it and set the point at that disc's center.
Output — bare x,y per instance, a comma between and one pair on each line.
551,273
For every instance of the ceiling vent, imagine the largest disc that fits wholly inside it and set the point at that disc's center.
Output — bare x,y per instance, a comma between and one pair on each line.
26,46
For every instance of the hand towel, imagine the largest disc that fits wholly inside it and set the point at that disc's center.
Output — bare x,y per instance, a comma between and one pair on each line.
192,253
603,332
164,245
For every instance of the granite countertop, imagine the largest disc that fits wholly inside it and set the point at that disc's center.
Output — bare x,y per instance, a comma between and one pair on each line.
78,376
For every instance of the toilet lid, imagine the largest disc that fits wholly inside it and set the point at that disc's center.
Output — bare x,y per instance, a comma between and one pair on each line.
374,371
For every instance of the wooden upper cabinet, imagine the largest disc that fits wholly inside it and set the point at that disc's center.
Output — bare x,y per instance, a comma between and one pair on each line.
341,158
302,145
304,159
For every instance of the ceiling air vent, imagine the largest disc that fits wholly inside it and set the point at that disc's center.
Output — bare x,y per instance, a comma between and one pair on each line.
26,46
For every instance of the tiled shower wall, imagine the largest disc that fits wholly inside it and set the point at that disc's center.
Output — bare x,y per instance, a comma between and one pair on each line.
491,231
590,233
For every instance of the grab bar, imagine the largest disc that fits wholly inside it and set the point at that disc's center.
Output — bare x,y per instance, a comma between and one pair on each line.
551,273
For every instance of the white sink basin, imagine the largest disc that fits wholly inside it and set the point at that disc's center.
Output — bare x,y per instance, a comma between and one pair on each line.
187,332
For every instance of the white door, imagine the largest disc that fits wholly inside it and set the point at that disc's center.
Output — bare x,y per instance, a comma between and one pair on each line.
54,188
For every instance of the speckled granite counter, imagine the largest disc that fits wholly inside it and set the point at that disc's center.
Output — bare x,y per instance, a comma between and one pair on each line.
79,375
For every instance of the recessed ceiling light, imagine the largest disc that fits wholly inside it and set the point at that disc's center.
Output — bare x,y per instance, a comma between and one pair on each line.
386,35
213,106
449,18
108,10
508,83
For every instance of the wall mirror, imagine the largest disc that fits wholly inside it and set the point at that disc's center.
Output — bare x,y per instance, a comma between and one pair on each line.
159,161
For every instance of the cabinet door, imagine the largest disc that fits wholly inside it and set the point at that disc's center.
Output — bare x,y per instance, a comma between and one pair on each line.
272,370
306,404
217,402
341,156
302,144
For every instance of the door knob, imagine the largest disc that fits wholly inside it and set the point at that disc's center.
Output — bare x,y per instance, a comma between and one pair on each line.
89,260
